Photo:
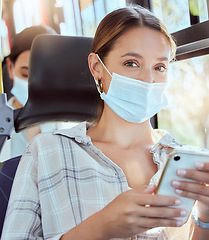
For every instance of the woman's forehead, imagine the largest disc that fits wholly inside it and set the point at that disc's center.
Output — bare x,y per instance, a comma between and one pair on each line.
142,39
23,59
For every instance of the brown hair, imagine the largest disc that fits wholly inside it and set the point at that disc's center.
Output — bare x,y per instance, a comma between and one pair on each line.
23,40
117,22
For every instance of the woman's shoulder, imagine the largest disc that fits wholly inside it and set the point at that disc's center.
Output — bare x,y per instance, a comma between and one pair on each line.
58,138
166,140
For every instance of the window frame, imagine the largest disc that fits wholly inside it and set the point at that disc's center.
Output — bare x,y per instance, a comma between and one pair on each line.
192,41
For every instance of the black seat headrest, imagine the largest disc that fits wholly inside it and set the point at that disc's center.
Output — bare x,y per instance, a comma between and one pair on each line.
61,87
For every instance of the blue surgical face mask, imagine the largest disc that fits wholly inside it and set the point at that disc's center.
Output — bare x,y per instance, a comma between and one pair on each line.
134,100
20,90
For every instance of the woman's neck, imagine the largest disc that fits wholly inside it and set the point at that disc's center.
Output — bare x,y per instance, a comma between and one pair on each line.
113,129
17,104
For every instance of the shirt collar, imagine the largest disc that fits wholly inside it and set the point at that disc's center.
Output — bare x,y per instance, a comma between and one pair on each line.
77,132
167,141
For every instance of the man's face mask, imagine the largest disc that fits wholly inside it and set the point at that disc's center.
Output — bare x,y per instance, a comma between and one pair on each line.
20,90
134,100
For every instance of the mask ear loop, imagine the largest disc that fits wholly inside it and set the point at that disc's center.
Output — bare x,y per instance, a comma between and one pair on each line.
99,84
103,65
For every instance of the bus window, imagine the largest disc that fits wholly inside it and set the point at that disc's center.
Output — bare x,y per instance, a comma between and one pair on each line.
168,12
187,116
175,20
5,47
26,14
70,26
86,15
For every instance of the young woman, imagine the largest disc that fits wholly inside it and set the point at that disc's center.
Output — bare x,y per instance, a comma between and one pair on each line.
97,181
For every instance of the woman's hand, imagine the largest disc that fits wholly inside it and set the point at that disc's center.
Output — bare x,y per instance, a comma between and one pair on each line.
134,212
198,190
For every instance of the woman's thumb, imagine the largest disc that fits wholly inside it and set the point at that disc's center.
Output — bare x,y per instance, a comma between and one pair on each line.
150,189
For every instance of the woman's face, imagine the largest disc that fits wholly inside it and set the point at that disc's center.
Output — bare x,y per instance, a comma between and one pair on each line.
140,53
21,65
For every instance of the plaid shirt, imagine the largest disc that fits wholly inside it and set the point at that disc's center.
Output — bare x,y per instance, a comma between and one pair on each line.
62,179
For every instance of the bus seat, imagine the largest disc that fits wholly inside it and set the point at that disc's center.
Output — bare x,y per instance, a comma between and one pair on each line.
7,174
61,88
7,81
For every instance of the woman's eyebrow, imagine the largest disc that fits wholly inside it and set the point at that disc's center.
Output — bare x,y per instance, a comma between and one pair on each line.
162,59
137,55
132,54
24,67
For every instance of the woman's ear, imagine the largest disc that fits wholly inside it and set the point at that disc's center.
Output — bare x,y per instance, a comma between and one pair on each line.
10,68
94,66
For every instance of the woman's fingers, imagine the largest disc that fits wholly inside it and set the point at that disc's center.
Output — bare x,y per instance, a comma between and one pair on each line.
150,189
162,222
202,198
133,212
202,166
157,200
162,212
193,187
196,191
196,175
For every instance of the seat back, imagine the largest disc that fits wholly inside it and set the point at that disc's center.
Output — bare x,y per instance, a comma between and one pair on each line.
7,174
61,87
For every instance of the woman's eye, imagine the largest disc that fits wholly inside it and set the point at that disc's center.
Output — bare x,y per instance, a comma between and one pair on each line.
25,75
160,68
131,64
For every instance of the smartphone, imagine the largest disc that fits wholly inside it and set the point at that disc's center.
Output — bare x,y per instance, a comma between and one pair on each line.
180,159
